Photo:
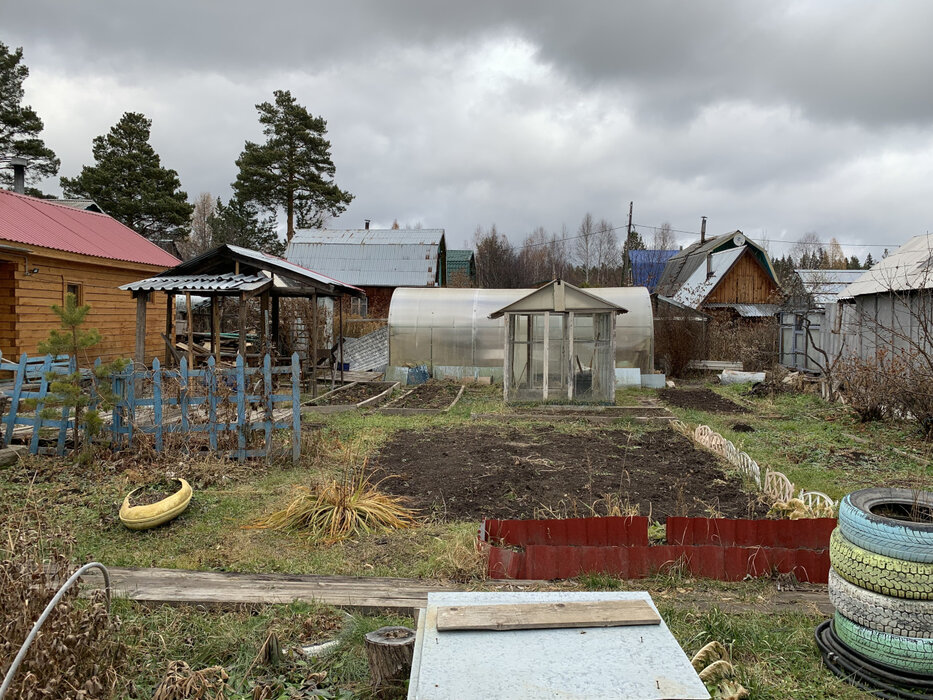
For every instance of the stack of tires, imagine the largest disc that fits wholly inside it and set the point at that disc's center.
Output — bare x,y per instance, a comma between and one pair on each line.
881,584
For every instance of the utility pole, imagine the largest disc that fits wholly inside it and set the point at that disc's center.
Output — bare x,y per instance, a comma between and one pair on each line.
626,264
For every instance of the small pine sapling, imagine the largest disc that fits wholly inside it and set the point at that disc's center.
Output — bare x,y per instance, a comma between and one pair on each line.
71,395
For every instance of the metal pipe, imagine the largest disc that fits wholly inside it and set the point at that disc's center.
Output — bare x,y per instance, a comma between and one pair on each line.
8,679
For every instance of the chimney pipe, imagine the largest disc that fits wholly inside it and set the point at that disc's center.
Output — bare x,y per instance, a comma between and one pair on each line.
366,224
702,230
19,174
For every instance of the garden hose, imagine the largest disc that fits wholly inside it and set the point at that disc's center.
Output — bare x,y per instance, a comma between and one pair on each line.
878,679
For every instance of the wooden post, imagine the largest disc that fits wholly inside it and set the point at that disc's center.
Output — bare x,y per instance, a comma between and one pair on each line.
215,328
569,367
190,330
389,650
241,331
507,360
264,323
276,344
169,328
546,357
314,312
141,299
340,339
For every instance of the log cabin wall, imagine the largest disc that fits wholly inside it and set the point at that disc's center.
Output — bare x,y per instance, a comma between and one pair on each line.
97,281
745,283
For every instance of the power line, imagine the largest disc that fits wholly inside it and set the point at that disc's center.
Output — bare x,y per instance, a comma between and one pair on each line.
770,240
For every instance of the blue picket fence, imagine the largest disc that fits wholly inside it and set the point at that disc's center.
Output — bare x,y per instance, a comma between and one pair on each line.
234,407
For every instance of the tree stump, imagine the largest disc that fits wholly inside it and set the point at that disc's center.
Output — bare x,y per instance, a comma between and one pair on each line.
389,650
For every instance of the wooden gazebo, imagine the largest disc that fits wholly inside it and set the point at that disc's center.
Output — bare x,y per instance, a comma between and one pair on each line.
245,274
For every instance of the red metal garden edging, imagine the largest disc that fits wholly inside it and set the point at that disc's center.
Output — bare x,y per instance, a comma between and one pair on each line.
723,549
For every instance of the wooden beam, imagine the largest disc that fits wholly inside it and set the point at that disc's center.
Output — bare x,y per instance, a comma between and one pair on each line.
314,312
169,329
340,339
264,323
276,341
190,330
241,331
215,328
531,616
142,299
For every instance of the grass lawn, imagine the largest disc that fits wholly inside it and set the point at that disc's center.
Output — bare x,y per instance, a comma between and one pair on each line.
817,445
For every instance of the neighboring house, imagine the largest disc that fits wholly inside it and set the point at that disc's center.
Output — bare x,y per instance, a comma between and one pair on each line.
647,266
376,260
812,292
48,249
461,268
726,274
888,308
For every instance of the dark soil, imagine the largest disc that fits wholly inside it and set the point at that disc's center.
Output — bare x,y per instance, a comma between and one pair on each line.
431,394
353,395
700,399
743,428
153,493
468,473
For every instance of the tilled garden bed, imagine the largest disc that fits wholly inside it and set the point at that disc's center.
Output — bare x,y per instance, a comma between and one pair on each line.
472,472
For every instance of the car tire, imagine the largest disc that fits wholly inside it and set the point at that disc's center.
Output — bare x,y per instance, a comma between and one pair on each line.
863,525
904,653
907,618
879,573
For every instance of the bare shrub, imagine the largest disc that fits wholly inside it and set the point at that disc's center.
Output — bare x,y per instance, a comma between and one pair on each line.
77,650
865,386
909,378
677,341
753,342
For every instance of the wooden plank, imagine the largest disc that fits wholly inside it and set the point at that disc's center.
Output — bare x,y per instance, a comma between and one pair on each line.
533,616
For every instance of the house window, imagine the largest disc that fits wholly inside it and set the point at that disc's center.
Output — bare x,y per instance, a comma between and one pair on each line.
77,289
358,307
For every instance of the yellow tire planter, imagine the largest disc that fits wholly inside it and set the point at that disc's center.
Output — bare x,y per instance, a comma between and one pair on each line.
153,514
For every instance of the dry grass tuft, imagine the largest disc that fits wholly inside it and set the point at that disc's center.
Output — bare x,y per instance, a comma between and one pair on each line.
338,510
181,682
76,652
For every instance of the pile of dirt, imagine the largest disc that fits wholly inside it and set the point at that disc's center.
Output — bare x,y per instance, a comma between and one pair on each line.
432,394
700,399
472,472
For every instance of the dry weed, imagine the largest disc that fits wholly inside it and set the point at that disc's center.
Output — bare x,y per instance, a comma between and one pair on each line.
181,683
76,652
337,510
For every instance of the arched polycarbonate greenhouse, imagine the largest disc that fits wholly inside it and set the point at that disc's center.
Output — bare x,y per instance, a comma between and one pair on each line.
450,331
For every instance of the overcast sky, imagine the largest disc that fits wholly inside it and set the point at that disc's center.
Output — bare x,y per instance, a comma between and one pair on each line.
776,118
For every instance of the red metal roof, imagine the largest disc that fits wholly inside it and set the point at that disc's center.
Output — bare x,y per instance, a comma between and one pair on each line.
42,222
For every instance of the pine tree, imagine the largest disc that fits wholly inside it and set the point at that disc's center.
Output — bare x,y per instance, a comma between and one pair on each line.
130,184
240,224
20,126
293,169
869,261
69,391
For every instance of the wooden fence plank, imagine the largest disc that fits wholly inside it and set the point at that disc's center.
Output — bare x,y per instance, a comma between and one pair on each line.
255,412
157,402
14,400
40,404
